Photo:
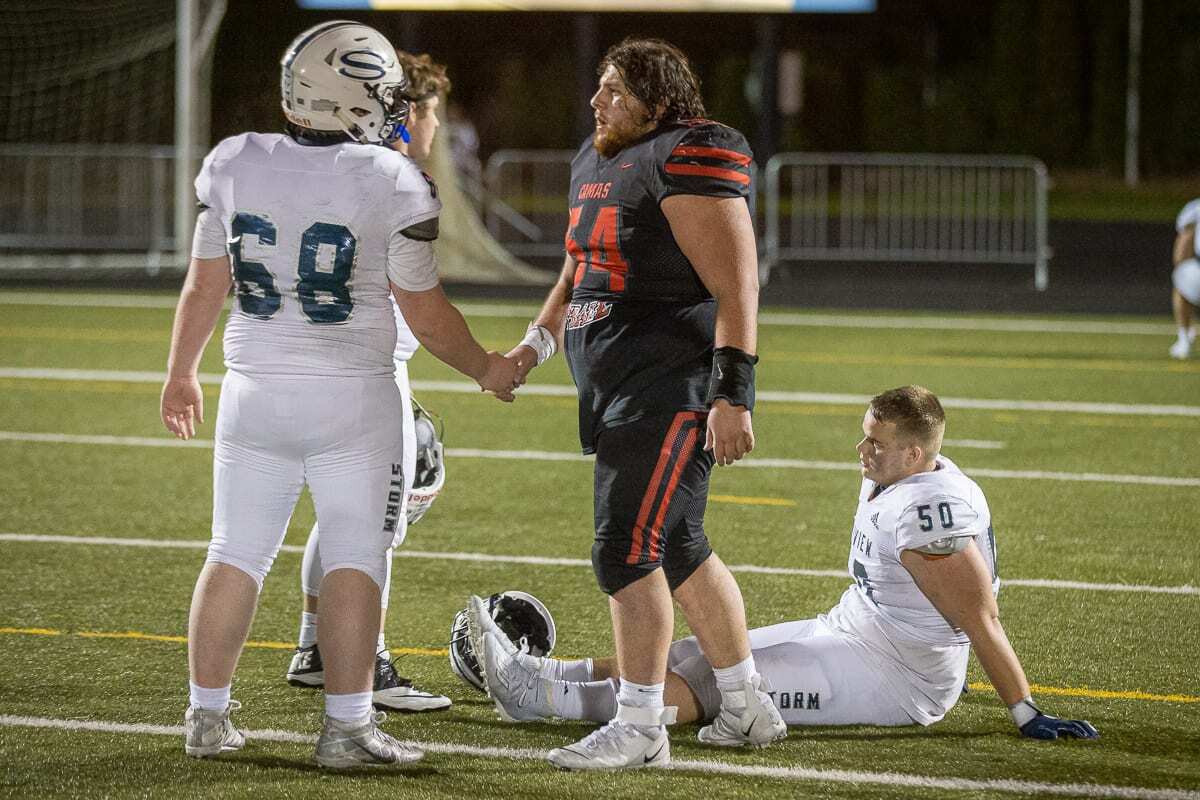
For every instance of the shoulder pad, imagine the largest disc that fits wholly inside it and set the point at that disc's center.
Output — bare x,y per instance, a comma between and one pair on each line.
946,546
425,231
707,158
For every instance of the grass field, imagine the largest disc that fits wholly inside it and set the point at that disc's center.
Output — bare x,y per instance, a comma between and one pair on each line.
1093,505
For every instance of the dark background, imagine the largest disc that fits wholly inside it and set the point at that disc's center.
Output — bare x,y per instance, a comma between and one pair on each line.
1032,77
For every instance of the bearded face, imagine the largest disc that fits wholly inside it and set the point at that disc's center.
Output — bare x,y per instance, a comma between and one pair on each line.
621,118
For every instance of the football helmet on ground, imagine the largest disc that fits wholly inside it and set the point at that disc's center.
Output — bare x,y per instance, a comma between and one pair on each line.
344,76
430,474
521,616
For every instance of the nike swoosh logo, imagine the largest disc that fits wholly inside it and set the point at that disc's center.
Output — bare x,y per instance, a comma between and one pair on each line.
626,166
648,759
749,727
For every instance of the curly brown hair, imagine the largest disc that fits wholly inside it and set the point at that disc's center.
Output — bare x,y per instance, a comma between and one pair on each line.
658,74
425,76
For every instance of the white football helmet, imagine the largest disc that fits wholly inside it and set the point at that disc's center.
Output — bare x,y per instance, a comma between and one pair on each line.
522,617
430,474
344,76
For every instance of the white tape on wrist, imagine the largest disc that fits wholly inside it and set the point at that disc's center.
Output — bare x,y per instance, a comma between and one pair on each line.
541,340
1023,711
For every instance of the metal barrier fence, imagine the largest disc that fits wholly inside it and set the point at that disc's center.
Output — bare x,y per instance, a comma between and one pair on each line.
526,207
815,206
86,197
921,208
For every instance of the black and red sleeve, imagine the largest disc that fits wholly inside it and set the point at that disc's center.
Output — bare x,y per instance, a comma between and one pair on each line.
713,160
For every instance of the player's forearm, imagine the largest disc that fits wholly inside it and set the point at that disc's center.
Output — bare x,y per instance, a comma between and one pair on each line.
553,313
998,659
196,315
737,313
441,329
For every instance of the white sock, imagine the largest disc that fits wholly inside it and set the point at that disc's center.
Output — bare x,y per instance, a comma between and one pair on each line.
353,707
641,695
308,630
208,699
574,671
590,700
731,679
1186,334
381,648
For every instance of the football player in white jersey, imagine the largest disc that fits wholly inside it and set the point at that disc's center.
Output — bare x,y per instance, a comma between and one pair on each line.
893,651
427,84
1185,278
315,230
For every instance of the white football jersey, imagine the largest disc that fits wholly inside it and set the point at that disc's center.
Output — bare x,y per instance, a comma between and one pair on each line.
309,232
1190,215
921,653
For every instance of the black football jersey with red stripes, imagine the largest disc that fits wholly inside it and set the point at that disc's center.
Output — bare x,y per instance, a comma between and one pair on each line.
639,330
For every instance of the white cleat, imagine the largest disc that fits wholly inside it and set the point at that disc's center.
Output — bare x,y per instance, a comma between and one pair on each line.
621,744
747,717
344,745
1181,349
520,693
480,621
208,733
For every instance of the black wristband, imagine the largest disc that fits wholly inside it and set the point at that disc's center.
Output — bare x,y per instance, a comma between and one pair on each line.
732,377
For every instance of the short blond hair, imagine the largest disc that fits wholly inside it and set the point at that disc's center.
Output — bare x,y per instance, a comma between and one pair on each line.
916,412
426,77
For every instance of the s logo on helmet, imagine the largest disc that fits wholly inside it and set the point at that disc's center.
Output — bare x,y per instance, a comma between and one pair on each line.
363,65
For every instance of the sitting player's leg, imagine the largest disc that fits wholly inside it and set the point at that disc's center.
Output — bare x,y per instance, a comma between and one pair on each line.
525,687
814,676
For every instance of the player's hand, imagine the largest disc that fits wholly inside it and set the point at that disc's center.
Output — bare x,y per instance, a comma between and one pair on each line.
500,377
182,405
1046,727
526,358
730,434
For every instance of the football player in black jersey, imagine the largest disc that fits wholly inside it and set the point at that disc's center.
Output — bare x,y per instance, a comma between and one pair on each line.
657,306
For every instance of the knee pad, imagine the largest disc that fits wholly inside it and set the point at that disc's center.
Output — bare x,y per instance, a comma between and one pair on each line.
683,558
374,567
256,565
609,564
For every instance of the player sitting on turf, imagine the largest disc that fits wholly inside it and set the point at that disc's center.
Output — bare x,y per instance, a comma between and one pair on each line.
893,651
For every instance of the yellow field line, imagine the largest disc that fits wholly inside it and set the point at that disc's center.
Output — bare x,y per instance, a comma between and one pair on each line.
750,501
1060,691
1098,694
996,362
151,637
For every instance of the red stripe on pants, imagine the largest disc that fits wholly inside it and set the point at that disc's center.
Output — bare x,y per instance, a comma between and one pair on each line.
681,461
664,458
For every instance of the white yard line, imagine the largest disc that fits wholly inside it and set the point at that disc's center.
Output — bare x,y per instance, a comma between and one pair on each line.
774,318
544,455
707,767
563,390
546,561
